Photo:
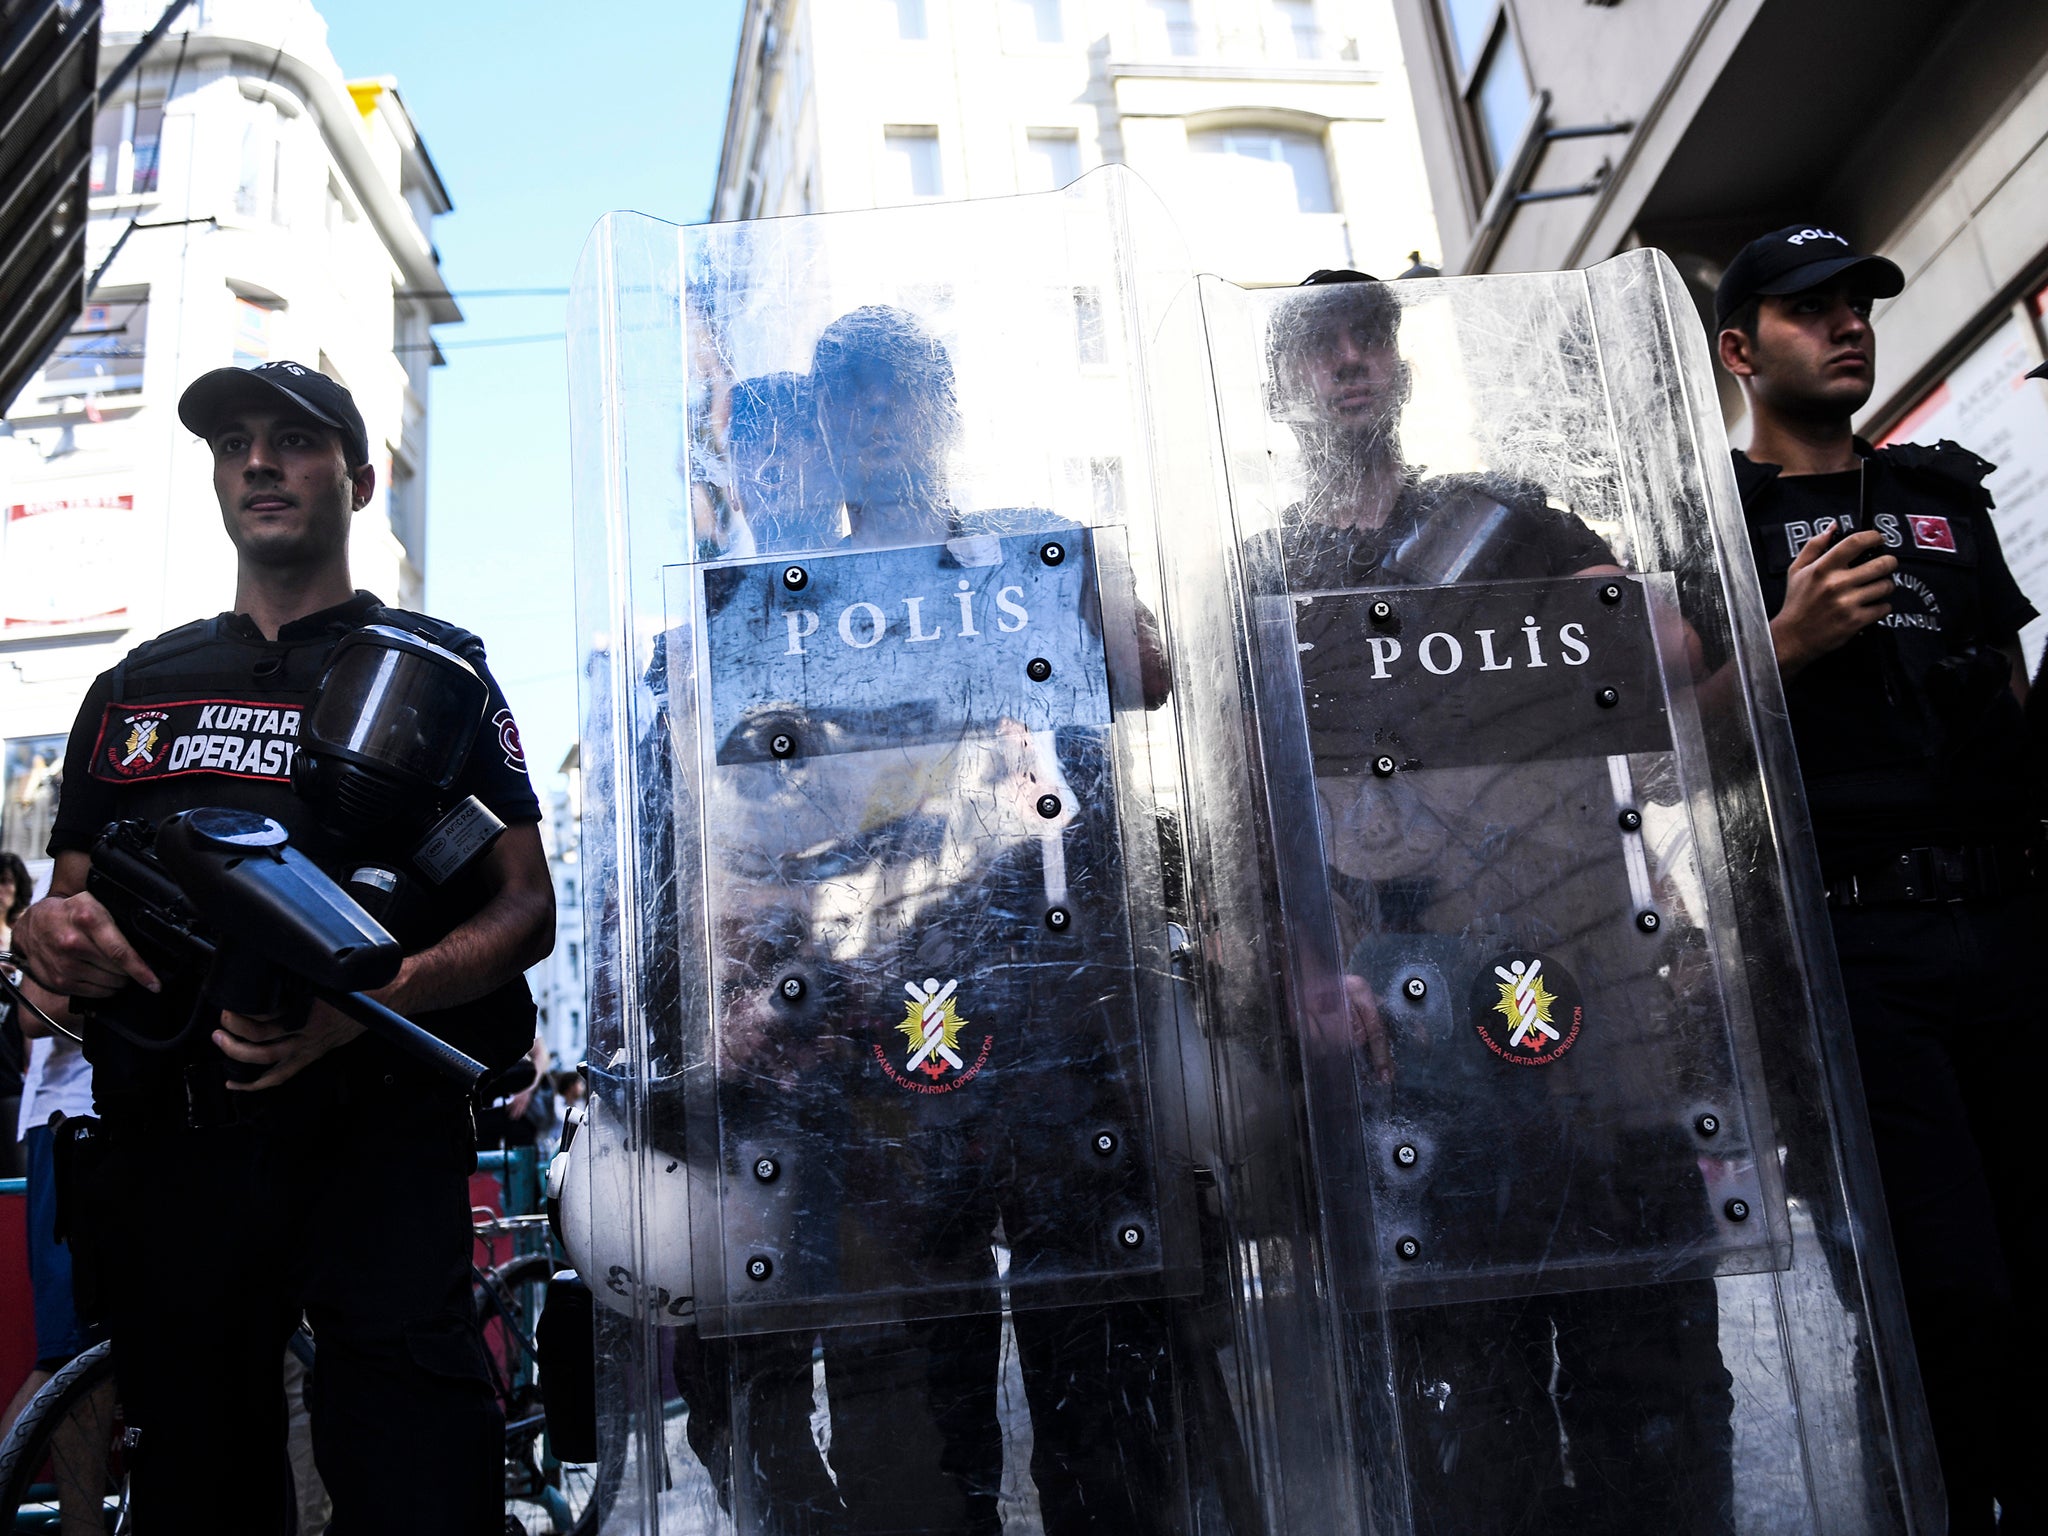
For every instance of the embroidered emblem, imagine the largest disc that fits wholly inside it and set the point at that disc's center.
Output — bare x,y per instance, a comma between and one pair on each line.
1526,1009
144,746
508,740
1933,533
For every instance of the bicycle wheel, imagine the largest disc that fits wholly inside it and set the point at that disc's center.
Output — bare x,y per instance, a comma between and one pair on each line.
543,1494
62,1466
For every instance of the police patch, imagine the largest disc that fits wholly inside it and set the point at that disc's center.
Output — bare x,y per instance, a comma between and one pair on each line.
1527,1009
508,740
241,738
931,1027
1932,533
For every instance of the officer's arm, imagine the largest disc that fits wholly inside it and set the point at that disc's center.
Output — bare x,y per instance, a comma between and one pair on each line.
514,930
2010,648
69,942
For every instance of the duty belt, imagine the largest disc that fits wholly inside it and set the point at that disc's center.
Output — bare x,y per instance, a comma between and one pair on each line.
1951,872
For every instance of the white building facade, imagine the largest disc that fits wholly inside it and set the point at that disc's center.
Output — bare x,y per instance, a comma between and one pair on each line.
1279,132
256,205
557,982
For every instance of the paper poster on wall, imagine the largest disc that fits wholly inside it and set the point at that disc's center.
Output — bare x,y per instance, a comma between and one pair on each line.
64,564
1988,405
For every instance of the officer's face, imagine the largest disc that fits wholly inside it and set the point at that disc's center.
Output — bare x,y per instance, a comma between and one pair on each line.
1814,353
286,491
887,437
1354,383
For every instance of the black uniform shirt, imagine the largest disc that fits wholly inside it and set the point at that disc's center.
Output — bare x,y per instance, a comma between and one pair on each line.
1909,735
210,715
1533,540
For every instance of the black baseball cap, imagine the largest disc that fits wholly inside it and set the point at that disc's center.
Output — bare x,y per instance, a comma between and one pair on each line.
214,395
1794,259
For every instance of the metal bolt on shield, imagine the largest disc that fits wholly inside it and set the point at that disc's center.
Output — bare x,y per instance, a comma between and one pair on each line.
1132,1236
767,1170
1611,593
1053,554
1382,612
782,745
1408,1248
1738,1210
1607,698
1038,669
1708,1125
1416,988
792,989
795,577
1631,820
1057,919
1048,806
760,1267
1105,1142
1649,922
1405,1155
1383,766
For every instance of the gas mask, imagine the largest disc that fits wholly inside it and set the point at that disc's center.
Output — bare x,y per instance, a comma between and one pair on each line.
388,734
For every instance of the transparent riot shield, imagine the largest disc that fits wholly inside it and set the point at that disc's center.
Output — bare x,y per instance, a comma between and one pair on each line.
1583,1099
944,1159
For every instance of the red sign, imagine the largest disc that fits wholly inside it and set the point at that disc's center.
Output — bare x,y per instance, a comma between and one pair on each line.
66,563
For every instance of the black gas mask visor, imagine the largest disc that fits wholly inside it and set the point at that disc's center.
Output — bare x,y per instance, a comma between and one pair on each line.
388,734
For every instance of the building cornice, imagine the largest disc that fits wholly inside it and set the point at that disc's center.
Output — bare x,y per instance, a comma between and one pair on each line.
1282,74
332,108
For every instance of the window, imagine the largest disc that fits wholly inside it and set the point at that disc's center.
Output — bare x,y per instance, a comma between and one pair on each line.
125,142
910,21
1268,170
1295,20
31,773
1037,20
575,959
910,164
1052,158
1492,79
256,186
103,353
1091,334
1170,27
252,331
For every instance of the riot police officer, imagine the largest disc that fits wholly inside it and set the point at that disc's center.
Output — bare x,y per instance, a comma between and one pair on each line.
254,1173
1596,1410
1896,626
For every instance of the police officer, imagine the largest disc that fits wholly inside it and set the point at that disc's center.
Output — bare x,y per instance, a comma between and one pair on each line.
1597,1411
253,1174
1896,627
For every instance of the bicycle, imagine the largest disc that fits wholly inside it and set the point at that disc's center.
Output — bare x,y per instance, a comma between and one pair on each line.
66,1454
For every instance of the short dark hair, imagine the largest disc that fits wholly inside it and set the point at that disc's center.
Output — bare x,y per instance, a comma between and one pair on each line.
1744,317
24,887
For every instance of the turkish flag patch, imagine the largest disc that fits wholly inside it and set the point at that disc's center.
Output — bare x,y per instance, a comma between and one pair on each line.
1933,533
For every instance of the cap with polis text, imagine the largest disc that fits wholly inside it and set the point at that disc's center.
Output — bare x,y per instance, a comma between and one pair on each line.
212,397
1794,259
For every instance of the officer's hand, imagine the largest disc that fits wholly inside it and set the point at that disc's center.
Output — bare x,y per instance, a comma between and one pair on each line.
286,1052
74,948
1368,1028
1830,598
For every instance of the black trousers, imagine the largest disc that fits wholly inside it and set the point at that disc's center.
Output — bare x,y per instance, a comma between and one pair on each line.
214,1242
916,1442
1947,1011
1597,1413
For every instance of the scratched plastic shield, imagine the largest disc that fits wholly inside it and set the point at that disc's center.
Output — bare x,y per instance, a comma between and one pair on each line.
935,1001
1576,1042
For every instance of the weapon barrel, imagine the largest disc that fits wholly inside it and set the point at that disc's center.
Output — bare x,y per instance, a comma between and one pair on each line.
396,1029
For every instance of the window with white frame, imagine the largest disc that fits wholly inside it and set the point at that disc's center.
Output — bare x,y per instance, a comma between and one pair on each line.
1037,21
910,164
103,353
1295,30
126,140
1170,28
910,20
1052,158
1261,172
253,323
1492,80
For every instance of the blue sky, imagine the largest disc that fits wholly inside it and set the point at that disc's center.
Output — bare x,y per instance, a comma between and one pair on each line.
541,119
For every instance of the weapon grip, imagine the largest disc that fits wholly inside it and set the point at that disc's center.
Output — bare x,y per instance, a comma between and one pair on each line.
424,1047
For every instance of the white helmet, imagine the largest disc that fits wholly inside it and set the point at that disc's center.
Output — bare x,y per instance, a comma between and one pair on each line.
594,1184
